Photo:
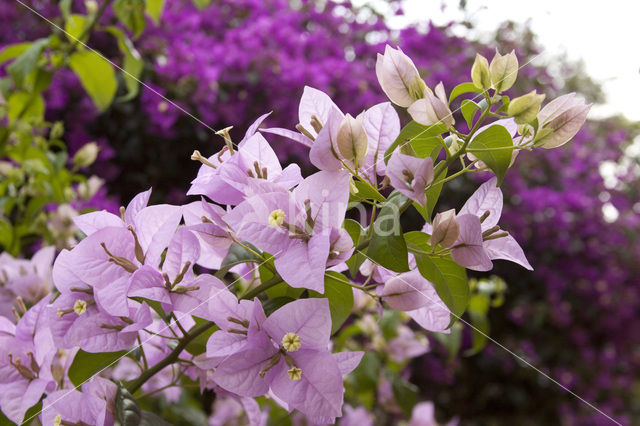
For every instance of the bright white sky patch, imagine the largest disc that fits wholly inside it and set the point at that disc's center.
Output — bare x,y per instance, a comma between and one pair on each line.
604,35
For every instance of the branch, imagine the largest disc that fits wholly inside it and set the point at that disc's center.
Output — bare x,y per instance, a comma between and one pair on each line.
171,358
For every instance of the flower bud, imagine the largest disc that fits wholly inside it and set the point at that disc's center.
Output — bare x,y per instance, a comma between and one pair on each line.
524,109
445,229
560,120
57,130
480,72
503,71
86,155
352,139
399,77
432,109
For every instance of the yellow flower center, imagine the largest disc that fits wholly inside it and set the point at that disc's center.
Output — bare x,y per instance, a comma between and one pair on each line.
291,342
276,218
294,373
80,307
57,421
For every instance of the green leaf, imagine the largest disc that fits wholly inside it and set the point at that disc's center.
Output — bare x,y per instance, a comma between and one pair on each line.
469,110
478,309
96,75
147,418
415,134
340,298
131,14
154,9
355,231
449,280
451,341
433,194
25,106
405,393
86,364
13,51
27,61
367,192
283,290
65,8
6,234
367,373
127,409
199,345
427,147
272,305
236,256
463,88
494,147
387,247
132,63
74,27
201,4
417,241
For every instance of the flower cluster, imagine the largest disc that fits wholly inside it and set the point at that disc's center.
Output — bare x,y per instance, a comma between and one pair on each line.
133,281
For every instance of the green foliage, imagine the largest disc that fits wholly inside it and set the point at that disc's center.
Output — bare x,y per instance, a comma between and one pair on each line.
85,364
463,88
494,147
201,4
238,255
356,233
96,75
449,280
417,134
154,9
127,410
469,110
33,173
75,28
199,345
131,14
340,295
387,247
27,61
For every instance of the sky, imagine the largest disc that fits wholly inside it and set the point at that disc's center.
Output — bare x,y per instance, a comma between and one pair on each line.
604,35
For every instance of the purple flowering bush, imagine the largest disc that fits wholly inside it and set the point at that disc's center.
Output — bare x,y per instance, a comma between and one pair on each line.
240,292
232,89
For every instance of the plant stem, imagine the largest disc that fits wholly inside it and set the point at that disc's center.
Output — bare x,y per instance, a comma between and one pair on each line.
87,30
444,164
250,294
169,359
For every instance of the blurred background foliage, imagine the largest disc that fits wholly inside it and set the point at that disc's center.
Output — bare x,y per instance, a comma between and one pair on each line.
575,210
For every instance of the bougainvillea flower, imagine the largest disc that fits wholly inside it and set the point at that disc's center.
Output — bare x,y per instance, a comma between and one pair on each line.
75,320
560,120
481,239
296,227
256,159
205,221
412,293
93,406
224,176
26,353
432,109
399,77
382,124
290,356
410,175
27,278
153,226
314,111
320,119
